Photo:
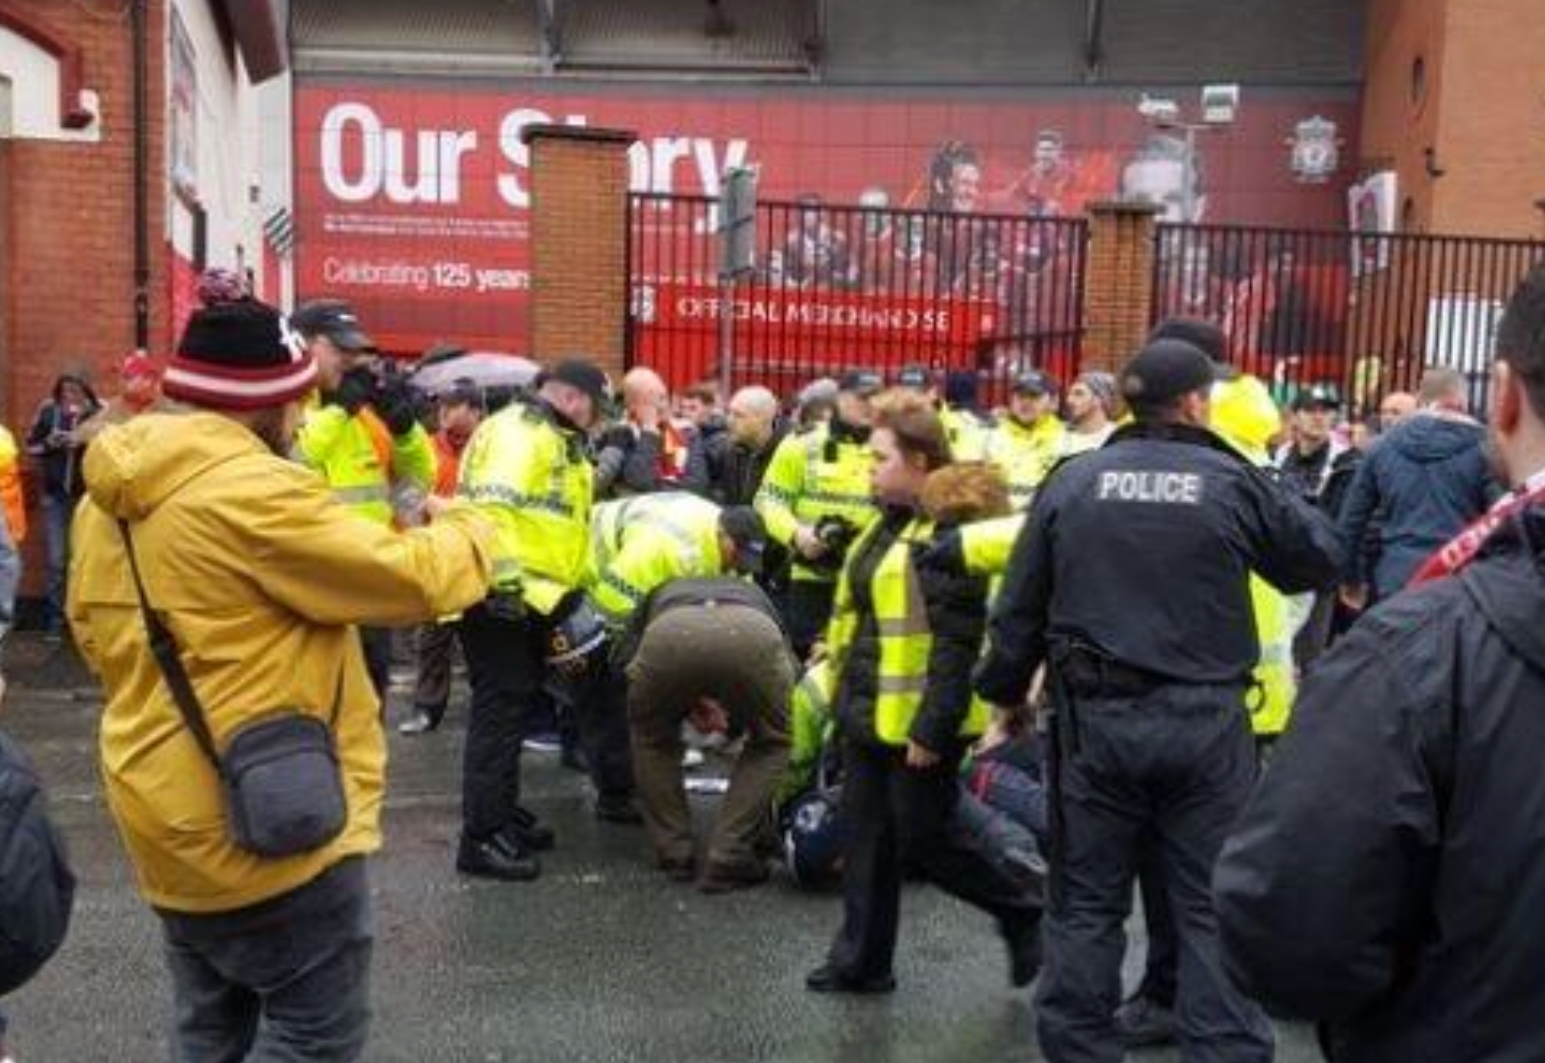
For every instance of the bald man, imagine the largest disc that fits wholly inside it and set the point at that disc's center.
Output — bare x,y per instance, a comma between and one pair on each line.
755,432
657,453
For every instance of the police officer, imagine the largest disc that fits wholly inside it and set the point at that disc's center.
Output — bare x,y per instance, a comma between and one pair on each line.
1029,439
640,543
1131,582
815,498
526,468
363,437
967,433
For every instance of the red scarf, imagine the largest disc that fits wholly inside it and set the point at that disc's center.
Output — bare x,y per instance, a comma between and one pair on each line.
1463,548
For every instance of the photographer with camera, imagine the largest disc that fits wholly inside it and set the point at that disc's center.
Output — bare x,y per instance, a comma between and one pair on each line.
815,499
363,436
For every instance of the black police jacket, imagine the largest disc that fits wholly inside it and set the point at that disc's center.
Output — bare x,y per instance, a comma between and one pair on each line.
1143,549
1388,877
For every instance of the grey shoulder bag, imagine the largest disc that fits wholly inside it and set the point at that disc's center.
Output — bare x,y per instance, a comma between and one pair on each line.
280,777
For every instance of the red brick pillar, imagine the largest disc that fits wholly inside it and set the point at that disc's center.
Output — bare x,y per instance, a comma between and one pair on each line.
579,243
1118,286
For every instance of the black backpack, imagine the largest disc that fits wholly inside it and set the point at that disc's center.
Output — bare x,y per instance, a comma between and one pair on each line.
37,888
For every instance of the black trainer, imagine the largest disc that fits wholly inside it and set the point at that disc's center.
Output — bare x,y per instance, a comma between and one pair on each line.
530,831
498,857
828,979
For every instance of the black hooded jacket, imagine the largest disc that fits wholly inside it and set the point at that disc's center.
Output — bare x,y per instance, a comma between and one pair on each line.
1388,877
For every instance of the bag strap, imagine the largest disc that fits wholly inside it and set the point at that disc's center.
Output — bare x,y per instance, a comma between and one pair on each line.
163,646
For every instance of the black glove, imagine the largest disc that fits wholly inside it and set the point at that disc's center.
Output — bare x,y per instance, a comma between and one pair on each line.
945,555
394,403
355,391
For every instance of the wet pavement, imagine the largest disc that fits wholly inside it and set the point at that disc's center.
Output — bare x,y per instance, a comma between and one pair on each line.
600,961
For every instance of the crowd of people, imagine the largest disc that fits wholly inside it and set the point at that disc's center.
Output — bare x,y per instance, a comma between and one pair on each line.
1033,656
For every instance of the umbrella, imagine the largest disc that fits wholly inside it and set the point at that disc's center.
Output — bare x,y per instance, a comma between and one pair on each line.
487,369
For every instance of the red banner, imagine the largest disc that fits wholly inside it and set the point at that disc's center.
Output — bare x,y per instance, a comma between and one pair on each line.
412,195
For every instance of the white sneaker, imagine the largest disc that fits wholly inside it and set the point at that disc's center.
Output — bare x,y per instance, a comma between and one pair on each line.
691,758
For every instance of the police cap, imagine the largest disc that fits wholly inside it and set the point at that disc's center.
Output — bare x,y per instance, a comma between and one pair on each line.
1165,370
863,382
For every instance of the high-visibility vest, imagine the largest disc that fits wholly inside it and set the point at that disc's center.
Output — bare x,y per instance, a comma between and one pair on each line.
1026,454
534,481
361,461
967,434
987,544
643,542
1246,416
901,625
810,478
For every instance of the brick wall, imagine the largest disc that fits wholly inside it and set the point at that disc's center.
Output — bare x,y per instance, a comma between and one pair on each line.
1118,283
1479,111
579,224
68,229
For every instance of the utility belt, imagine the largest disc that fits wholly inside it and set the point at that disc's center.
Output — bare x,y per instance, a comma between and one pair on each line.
1086,671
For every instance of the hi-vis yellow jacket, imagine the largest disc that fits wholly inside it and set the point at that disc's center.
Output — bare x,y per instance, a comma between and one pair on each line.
261,576
534,481
1247,418
1026,453
643,542
361,461
812,476
906,639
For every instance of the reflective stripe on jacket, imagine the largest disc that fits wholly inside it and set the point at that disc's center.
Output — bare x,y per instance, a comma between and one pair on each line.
1026,454
643,542
905,637
361,461
801,486
533,480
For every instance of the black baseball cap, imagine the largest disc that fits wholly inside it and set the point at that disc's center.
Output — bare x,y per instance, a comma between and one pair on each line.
1166,369
863,382
1034,382
748,532
1203,335
914,376
585,376
334,319
1317,396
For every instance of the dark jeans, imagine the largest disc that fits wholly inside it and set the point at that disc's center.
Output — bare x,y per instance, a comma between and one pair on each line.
377,644
284,981
57,512
897,817
1170,770
809,611
1163,959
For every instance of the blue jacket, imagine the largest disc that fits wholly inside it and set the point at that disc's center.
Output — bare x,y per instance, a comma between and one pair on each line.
1421,484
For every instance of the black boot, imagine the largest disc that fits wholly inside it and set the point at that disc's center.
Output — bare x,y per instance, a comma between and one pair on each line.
499,857
530,831
827,978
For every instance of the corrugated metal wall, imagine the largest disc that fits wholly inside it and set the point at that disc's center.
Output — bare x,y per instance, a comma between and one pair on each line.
881,42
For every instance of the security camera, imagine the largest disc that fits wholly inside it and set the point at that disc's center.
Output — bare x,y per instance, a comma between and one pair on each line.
1220,104
1158,109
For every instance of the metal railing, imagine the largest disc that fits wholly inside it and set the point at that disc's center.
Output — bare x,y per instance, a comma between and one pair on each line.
840,287
1364,313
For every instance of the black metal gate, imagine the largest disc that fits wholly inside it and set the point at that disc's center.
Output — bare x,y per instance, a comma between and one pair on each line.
839,287
1365,313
